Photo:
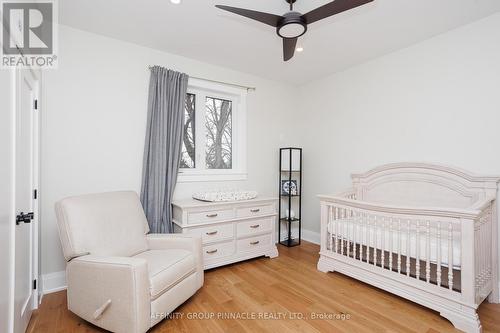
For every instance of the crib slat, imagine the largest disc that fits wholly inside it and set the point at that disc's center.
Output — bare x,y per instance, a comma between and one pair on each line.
438,271
417,256
399,245
348,233
367,238
428,252
361,236
355,234
342,231
408,253
450,255
391,241
382,247
330,224
336,240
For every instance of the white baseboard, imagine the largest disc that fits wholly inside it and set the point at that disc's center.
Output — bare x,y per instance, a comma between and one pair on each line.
53,282
311,236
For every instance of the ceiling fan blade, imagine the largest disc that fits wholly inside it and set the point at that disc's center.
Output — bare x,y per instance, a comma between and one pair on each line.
332,8
289,45
266,18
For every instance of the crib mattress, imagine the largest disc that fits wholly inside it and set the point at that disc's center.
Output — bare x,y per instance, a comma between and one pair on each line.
346,229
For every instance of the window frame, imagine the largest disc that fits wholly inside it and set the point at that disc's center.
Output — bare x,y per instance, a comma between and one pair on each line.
203,89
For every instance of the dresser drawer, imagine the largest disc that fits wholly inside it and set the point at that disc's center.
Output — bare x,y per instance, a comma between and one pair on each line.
254,243
213,233
255,211
210,216
248,228
219,250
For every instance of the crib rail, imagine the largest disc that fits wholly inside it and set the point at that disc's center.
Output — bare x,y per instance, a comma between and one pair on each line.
431,246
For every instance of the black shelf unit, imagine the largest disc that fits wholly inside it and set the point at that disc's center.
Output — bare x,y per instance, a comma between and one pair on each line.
290,158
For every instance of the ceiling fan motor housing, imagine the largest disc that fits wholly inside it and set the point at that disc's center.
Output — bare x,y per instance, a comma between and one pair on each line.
292,25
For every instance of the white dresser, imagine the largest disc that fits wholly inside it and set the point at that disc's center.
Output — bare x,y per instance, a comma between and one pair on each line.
230,231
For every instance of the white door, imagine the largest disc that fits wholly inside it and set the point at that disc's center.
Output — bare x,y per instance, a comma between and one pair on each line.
25,297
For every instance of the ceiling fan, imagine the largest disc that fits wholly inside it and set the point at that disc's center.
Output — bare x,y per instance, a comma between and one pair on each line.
293,24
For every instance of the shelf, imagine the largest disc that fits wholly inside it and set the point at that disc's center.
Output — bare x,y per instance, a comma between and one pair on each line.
292,220
290,242
290,180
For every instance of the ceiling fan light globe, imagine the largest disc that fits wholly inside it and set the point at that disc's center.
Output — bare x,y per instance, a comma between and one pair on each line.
292,25
291,30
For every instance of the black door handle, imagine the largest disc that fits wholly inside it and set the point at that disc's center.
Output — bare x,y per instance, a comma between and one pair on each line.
26,218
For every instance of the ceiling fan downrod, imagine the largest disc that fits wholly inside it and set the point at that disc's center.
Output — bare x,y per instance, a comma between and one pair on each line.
291,2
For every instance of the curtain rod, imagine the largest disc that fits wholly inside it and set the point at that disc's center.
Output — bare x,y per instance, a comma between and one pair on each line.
220,82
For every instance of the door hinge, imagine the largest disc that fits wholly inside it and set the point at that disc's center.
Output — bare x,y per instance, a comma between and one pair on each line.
35,194
34,284
36,104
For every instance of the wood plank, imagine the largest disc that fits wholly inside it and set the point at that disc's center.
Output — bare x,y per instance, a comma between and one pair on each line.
287,285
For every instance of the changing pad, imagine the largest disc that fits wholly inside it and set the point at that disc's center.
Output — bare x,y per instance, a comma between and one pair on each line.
225,196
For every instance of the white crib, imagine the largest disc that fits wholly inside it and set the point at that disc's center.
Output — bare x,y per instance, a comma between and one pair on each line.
424,232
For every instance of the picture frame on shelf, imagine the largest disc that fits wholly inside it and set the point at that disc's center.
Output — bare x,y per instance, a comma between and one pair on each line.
289,187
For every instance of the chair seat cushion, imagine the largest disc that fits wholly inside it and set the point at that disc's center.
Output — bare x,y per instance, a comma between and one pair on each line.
167,268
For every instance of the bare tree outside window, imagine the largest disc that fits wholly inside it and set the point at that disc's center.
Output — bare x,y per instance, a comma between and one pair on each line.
188,146
218,133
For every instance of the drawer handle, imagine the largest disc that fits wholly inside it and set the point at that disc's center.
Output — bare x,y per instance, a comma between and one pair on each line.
212,215
255,226
255,210
255,243
212,251
211,233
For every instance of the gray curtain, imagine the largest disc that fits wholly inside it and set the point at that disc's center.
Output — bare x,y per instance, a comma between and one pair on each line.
162,149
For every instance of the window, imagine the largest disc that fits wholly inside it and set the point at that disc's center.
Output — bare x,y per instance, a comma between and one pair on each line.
214,137
218,129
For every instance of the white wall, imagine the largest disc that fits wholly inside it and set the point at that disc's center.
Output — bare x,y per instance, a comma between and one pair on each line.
437,101
94,119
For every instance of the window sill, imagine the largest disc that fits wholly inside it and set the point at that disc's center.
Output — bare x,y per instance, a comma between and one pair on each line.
188,177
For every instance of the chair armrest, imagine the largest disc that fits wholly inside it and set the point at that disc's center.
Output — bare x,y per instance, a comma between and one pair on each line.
110,292
179,241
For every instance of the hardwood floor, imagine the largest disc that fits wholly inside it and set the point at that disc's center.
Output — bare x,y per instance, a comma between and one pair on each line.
288,286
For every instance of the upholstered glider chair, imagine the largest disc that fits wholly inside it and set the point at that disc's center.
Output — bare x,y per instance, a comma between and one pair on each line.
120,277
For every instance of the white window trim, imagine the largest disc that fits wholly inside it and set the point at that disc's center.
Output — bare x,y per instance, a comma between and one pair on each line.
239,139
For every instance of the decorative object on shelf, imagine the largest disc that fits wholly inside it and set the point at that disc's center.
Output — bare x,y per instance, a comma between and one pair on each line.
217,196
288,187
290,196
290,214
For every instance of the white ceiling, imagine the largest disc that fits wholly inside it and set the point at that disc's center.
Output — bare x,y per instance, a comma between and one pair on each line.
198,30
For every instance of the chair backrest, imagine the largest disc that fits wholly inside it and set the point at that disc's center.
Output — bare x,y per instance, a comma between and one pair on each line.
108,224
420,184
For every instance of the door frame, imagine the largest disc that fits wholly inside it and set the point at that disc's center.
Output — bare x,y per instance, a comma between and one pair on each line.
35,77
